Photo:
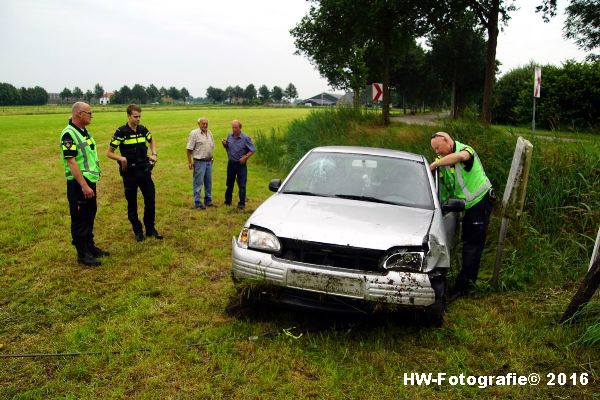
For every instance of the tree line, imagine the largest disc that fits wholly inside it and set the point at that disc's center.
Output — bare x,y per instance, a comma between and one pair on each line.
151,94
77,94
11,96
125,95
355,42
570,97
249,95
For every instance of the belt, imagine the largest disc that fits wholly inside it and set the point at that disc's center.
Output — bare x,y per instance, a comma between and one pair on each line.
203,159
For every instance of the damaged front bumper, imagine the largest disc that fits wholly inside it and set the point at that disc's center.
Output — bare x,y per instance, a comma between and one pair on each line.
392,287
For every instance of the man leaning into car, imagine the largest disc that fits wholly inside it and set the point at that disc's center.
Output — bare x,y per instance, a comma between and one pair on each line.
462,176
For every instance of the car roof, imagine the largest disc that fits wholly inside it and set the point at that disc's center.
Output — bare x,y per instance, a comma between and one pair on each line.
372,151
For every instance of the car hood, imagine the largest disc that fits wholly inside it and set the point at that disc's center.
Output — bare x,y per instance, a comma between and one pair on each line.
343,222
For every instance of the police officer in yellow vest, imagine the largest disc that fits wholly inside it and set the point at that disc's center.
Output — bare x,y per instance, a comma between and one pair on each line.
82,170
462,176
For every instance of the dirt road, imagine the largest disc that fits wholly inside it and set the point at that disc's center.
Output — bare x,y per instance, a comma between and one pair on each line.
419,119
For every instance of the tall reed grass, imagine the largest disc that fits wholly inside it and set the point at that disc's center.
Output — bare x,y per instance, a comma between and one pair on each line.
553,240
551,244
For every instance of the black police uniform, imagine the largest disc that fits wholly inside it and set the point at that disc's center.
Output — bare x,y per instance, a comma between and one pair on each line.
138,174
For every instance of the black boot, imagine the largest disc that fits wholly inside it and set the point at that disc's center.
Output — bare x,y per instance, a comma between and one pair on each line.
153,232
139,236
96,251
86,258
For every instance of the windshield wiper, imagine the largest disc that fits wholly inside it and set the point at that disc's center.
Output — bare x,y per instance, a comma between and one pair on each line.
364,198
304,193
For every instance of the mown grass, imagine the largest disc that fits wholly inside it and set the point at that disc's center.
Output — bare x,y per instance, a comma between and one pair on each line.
169,298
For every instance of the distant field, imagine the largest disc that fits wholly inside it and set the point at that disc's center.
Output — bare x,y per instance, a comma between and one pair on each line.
155,312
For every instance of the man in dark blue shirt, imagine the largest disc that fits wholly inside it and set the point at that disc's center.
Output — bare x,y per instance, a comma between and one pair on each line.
239,149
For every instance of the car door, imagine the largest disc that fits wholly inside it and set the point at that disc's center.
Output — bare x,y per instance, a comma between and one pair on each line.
451,219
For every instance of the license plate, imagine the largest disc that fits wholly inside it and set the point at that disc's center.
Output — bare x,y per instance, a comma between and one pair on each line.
325,284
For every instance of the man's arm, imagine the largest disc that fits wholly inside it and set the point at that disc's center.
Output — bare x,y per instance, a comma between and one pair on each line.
245,157
251,150
88,192
153,150
114,156
450,159
189,156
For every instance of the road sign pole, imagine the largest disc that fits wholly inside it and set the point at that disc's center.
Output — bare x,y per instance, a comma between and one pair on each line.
533,119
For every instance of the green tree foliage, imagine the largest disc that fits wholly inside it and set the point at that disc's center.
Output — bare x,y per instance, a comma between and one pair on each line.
174,93
66,94
152,93
77,93
513,87
138,94
9,95
290,92
327,42
98,91
228,92
250,93
184,93
411,76
353,25
88,95
570,97
237,92
122,96
264,93
582,24
277,93
458,58
215,95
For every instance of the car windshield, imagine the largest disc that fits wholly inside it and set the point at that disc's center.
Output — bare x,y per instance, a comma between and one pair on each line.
362,177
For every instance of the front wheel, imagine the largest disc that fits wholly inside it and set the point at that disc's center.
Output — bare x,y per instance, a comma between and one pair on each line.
434,314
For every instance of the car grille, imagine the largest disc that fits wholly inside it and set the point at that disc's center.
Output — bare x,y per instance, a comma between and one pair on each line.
354,258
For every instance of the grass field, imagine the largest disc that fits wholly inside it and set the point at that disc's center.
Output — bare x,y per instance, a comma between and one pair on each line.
154,314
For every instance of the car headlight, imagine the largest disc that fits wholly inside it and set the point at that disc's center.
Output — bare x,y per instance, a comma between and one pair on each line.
256,239
401,259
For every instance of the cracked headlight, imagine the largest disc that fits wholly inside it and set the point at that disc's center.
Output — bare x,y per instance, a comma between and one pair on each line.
255,239
400,259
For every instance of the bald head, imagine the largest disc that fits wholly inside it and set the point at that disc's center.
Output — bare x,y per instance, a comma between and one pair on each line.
78,107
442,143
81,114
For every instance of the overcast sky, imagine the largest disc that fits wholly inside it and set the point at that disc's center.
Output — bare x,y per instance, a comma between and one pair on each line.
196,44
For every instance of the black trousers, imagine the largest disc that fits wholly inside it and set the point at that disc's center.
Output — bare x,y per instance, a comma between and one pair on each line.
239,172
132,180
474,229
83,213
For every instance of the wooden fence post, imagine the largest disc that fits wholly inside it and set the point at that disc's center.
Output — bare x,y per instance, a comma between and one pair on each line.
514,197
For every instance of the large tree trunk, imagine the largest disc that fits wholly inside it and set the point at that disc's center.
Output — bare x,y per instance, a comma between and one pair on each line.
490,62
386,84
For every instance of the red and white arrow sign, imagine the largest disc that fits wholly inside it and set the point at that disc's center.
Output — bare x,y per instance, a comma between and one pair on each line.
377,91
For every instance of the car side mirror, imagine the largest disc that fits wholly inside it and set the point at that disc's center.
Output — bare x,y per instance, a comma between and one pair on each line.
453,205
274,185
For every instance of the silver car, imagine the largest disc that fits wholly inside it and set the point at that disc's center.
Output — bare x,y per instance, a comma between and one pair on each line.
352,228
